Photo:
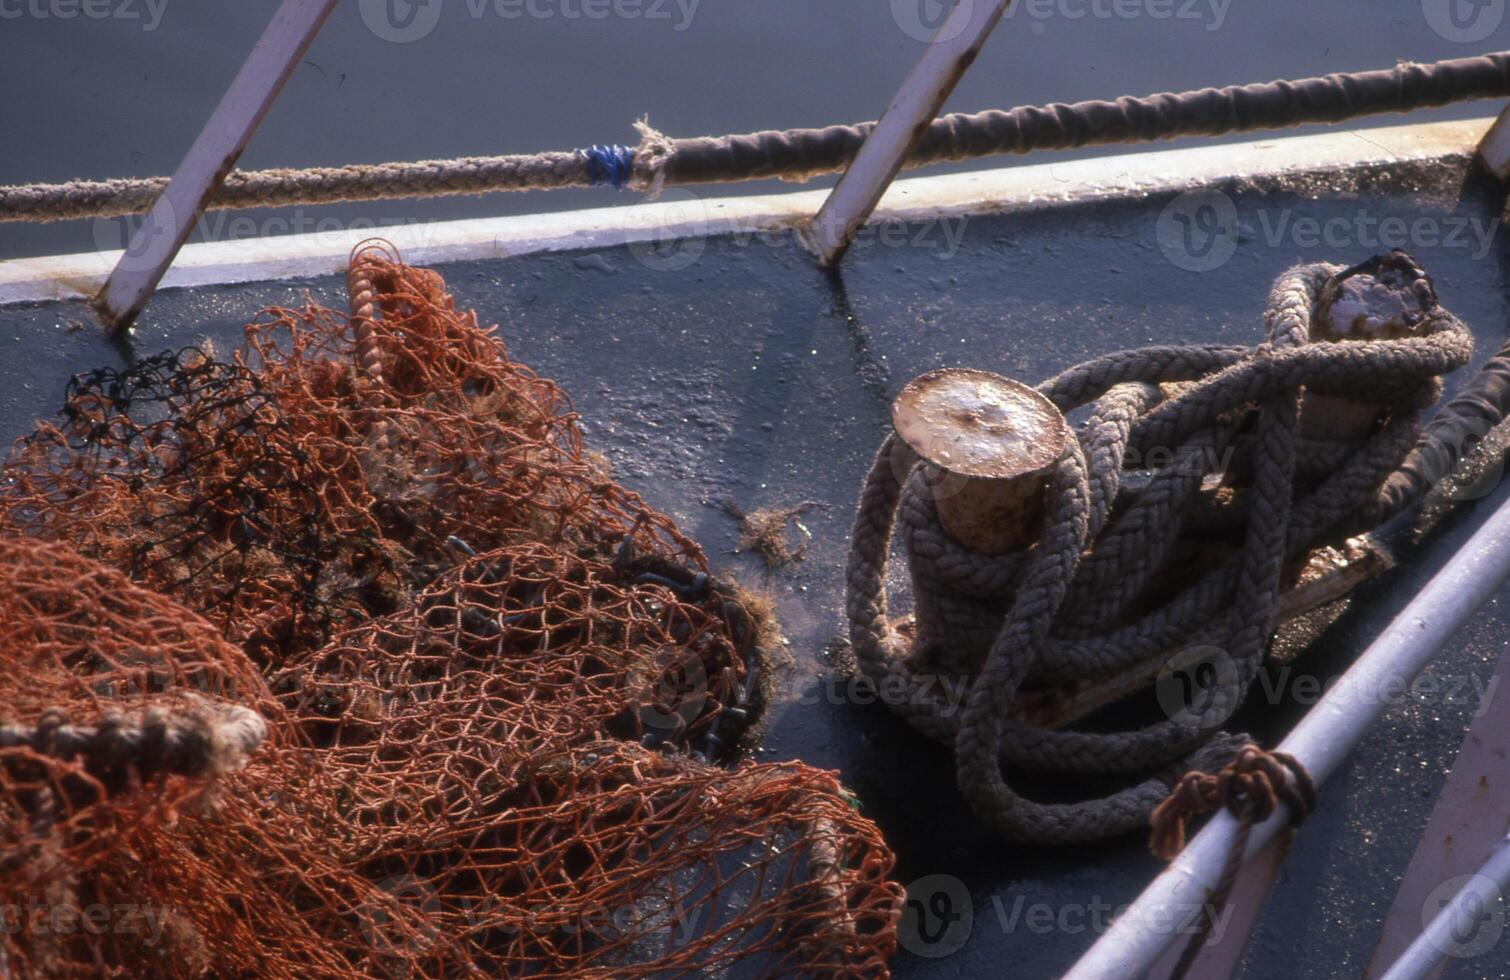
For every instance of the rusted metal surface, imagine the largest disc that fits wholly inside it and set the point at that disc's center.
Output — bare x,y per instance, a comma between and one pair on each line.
1387,304
1384,305
162,233
988,443
952,50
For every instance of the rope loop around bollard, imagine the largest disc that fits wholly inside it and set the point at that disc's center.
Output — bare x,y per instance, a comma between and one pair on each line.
1133,564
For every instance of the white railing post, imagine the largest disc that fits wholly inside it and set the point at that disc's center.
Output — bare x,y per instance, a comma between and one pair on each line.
1321,742
1459,920
916,103
159,237
1494,149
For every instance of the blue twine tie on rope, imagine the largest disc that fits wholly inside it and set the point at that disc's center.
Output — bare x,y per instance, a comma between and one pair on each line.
608,165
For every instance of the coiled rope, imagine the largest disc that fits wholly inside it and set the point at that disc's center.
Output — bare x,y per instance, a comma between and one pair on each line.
799,154
1075,606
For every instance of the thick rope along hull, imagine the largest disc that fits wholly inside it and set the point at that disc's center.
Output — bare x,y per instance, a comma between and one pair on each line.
804,153
799,154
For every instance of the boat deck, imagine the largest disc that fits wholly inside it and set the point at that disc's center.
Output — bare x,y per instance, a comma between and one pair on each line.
732,368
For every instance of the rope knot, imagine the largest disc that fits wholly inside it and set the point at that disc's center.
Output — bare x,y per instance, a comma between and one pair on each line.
608,164
1249,787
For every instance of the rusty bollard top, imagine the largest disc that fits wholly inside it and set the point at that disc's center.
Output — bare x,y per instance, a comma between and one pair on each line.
988,444
1386,298
1389,297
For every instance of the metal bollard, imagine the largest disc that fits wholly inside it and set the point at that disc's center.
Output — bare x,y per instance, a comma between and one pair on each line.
987,444
1387,298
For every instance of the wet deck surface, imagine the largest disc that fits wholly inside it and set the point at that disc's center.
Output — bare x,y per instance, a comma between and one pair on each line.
734,369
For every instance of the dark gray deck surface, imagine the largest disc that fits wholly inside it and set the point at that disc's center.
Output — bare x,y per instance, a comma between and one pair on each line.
749,374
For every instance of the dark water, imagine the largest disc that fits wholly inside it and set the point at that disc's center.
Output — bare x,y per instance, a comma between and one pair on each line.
120,87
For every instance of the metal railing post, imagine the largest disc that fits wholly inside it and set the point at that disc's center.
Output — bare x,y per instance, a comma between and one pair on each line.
214,152
922,94
1321,742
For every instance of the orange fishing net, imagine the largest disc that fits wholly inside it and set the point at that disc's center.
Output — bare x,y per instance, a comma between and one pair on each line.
492,682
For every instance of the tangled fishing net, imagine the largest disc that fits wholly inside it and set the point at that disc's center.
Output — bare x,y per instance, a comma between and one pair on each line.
467,710
1269,452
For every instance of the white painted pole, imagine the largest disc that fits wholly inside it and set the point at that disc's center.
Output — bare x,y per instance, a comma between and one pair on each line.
1321,741
1494,149
1223,954
159,237
916,103
1460,920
